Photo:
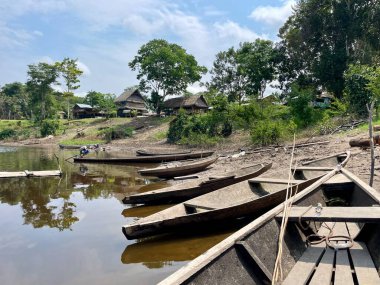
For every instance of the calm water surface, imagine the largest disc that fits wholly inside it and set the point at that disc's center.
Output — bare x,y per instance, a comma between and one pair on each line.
68,230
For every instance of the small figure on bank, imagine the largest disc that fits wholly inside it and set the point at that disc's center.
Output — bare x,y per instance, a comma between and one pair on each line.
83,151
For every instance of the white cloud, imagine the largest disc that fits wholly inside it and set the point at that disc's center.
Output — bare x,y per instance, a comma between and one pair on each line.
273,15
11,38
84,68
232,30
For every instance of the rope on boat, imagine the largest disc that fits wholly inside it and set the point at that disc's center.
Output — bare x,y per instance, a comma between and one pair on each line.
277,272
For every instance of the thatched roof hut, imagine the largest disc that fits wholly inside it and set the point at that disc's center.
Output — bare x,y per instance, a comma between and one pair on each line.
192,104
130,99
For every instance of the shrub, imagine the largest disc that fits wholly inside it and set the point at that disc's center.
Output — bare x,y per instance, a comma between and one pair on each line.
7,133
49,127
177,127
266,132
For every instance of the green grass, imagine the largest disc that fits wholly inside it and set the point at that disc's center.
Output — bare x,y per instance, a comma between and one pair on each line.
159,136
5,124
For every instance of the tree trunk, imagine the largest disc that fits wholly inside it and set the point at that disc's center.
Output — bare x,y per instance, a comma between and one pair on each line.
370,111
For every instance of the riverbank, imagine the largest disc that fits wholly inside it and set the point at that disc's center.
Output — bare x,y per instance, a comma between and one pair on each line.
150,133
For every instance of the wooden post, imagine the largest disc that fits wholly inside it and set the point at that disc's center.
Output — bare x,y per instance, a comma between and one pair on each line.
370,111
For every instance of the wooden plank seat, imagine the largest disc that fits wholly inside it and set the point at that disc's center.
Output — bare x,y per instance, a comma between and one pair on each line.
323,265
334,214
316,168
274,180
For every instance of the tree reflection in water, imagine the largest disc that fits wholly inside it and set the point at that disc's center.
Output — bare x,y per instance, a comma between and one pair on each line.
48,201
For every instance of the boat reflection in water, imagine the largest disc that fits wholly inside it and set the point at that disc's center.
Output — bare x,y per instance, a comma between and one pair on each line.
161,251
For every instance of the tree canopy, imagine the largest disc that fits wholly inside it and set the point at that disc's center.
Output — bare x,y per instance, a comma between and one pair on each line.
244,72
165,69
322,37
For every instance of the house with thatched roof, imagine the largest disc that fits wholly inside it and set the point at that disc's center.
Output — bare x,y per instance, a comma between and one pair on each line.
130,100
192,104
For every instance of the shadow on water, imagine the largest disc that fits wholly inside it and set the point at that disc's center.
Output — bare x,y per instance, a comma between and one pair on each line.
160,251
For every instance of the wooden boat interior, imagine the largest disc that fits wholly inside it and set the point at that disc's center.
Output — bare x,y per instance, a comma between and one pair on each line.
248,256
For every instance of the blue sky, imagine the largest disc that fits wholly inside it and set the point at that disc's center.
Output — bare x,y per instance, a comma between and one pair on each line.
105,35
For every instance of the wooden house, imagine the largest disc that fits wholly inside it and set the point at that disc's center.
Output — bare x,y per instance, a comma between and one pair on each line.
82,111
130,100
192,104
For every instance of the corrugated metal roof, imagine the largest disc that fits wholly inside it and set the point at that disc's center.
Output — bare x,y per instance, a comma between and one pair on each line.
84,106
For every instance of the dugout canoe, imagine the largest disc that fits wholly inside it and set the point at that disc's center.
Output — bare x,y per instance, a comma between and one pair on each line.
248,256
178,168
144,152
247,198
194,188
145,159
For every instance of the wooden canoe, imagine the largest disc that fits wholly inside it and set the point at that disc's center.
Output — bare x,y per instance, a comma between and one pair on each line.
246,198
183,168
144,152
248,256
188,190
145,159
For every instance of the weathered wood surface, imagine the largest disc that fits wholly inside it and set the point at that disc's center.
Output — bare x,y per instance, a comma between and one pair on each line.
27,173
335,214
194,188
364,142
274,180
145,159
225,204
168,171
202,269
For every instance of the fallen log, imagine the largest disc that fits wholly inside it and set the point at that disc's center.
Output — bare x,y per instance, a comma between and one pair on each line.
364,142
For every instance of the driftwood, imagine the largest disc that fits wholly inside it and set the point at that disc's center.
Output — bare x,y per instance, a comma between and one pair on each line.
364,142
376,128
348,126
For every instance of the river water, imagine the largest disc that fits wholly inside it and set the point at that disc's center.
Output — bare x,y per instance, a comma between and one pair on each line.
68,230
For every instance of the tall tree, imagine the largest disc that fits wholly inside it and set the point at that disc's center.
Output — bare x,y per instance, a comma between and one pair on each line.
14,101
70,73
165,69
322,37
257,61
227,77
244,72
41,77
103,102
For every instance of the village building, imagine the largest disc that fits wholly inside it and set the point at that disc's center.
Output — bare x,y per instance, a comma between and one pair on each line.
130,101
82,111
191,104
323,101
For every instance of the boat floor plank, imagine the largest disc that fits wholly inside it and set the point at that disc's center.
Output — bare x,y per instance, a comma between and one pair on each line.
364,267
343,274
337,214
305,266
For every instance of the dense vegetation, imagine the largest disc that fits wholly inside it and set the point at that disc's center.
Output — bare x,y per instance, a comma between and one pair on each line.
325,46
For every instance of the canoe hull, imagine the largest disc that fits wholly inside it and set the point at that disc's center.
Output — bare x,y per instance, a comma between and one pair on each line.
145,159
194,190
170,172
250,208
